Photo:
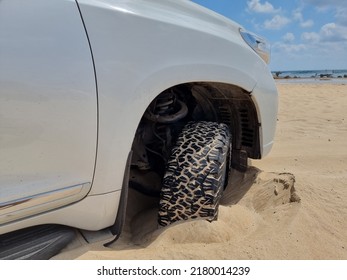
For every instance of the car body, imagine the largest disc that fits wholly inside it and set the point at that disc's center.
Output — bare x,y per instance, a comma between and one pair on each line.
76,78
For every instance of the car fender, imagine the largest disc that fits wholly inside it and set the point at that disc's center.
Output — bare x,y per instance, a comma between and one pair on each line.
137,56
116,134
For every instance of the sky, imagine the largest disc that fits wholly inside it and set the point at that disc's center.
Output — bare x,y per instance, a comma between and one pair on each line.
304,34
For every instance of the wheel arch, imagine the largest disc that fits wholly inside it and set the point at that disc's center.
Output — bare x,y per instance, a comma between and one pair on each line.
228,90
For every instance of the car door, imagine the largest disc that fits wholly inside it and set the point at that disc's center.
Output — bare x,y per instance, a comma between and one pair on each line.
48,107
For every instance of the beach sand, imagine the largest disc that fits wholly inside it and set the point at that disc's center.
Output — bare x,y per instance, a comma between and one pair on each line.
290,205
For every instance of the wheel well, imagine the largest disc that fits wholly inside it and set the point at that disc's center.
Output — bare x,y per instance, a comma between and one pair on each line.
198,101
166,117
233,106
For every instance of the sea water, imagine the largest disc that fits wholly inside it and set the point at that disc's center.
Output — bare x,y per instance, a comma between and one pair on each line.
311,74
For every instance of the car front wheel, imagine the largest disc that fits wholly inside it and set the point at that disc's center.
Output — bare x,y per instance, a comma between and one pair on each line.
195,175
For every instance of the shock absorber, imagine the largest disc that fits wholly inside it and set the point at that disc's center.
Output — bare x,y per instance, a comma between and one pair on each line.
166,108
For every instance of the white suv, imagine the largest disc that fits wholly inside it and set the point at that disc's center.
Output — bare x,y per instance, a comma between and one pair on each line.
97,96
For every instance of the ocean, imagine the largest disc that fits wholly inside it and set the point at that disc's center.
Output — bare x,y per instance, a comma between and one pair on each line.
310,74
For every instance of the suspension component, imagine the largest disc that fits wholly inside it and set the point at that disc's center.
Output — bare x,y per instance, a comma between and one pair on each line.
166,109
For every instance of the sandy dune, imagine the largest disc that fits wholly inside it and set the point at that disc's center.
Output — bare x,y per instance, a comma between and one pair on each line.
290,205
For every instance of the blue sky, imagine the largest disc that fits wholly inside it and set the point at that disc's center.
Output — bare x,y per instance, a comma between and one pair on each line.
304,34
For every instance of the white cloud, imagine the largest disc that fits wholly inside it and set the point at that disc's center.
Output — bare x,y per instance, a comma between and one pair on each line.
307,24
295,48
331,38
276,23
288,37
328,30
331,32
297,15
338,6
257,7
324,3
341,16
289,48
323,48
310,37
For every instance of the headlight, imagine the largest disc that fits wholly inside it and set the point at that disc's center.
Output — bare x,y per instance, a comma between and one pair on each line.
258,44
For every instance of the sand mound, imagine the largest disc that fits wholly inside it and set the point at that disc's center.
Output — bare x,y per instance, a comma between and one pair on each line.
254,203
275,190
248,196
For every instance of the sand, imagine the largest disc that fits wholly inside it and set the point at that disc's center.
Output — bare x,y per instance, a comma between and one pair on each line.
290,205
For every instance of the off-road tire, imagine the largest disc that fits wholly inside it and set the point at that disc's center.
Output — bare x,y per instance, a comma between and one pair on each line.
195,175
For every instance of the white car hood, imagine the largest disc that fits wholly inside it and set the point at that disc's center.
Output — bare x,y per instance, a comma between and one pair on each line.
179,12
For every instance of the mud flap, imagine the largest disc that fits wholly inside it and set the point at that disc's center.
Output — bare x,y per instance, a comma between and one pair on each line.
117,227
